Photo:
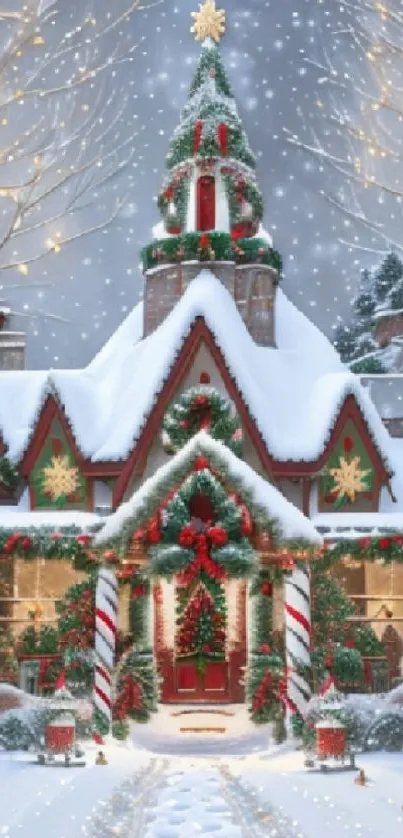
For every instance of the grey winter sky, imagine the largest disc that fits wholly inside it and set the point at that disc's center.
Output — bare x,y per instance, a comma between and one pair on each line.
97,280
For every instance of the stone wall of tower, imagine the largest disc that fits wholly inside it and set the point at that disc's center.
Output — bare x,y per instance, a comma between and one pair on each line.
253,288
12,351
164,287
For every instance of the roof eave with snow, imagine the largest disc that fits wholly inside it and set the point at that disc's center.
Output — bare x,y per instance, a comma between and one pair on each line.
290,523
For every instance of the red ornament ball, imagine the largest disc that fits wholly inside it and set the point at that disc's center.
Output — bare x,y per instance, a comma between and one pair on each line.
187,537
266,589
218,536
26,543
200,463
384,543
265,649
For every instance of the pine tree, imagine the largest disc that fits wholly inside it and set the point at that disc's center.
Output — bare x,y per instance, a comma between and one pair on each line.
344,338
337,642
355,341
387,277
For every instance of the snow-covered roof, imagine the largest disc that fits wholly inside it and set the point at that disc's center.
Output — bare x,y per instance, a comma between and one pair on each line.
290,522
294,392
384,313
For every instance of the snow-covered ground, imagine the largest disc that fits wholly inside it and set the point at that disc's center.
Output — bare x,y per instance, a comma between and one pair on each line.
138,793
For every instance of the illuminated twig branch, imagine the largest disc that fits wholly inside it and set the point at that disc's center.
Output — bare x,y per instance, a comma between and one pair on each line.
358,135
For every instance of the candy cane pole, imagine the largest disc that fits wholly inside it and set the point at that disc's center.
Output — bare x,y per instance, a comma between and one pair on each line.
298,635
106,609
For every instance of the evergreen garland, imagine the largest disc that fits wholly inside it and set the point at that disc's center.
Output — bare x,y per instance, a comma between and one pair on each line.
223,247
37,642
66,543
265,675
76,625
137,687
9,474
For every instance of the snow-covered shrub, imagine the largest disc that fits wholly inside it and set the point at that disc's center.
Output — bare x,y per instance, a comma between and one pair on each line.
24,728
385,733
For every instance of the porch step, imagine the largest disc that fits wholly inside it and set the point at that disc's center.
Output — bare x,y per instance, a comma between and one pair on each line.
203,730
200,711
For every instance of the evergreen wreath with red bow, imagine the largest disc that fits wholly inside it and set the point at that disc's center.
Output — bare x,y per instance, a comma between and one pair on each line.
202,408
200,526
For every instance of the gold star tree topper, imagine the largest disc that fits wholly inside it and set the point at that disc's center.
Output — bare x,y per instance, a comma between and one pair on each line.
349,478
209,22
60,479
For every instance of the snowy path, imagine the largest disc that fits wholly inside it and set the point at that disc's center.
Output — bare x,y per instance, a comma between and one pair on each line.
139,795
332,804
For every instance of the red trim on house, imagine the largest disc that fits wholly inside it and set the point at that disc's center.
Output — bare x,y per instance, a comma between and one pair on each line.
200,333
306,495
349,410
50,411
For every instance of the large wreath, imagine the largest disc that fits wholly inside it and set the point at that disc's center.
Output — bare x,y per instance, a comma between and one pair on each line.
200,526
201,408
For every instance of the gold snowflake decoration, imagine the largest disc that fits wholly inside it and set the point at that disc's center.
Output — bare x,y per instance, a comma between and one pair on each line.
209,22
60,479
349,478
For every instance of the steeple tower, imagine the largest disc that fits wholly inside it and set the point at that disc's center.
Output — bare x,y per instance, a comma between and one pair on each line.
210,202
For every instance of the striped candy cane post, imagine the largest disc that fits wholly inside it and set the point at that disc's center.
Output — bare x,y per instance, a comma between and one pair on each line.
298,635
106,609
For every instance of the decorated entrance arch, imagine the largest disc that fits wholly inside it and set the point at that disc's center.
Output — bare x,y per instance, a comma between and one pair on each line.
200,528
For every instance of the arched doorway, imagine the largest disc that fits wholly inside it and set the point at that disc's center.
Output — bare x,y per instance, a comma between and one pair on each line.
206,203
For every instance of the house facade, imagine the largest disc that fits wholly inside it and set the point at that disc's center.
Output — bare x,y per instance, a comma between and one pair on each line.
84,450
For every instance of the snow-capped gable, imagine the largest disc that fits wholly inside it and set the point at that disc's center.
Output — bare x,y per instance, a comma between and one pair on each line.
22,395
293,393
291,524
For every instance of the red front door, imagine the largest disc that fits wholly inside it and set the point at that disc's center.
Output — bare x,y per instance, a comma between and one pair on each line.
206,203
209,684
183,679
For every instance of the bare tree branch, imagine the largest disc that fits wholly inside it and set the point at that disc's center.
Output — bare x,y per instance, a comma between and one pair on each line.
357,135
63,123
